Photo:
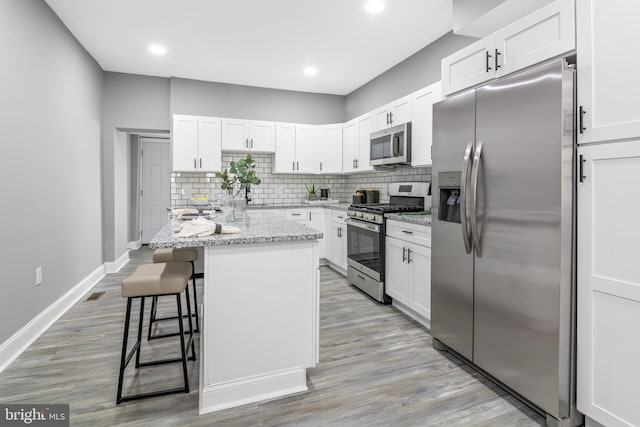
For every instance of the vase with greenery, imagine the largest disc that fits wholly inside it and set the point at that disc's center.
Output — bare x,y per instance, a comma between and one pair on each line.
240,176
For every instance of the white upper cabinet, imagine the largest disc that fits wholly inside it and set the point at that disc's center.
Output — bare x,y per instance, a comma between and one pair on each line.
248,135
392,114
262,136
350,145
306,159
284,161
196,143
329,148
546,33
356,143
296,149
469,66
365,127
608,92
422,123
210,143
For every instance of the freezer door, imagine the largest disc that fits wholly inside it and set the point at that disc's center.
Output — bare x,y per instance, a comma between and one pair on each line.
452,266
524,221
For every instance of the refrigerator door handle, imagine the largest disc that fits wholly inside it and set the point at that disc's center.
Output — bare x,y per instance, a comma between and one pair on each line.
474,199
463,197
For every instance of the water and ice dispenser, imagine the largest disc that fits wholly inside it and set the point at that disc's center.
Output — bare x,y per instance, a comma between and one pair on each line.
449,197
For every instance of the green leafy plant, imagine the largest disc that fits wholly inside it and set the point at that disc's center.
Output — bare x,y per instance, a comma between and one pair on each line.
241,175
312,190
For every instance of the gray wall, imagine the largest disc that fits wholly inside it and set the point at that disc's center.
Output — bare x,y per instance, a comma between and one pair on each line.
131,102
246,102
415,72
50,105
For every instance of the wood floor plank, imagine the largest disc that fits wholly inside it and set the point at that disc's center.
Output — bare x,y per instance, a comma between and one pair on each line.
377,368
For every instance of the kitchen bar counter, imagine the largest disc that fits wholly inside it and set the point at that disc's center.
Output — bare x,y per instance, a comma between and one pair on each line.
259,330
258,227
411,219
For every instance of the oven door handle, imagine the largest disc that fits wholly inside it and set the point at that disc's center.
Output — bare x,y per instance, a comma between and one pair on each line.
364,225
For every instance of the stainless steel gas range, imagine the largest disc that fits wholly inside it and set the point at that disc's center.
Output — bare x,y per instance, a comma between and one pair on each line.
366,234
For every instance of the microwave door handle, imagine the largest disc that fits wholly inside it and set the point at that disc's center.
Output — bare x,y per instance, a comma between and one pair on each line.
466,237
474,199
396,145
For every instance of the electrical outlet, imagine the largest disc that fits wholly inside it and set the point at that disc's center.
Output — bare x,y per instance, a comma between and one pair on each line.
38,276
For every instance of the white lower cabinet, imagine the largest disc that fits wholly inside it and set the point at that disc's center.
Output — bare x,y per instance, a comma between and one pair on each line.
338,251
408,269
311,217
608,287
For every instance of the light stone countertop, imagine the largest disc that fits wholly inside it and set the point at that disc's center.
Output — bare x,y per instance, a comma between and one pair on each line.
411,219
334,206
257,227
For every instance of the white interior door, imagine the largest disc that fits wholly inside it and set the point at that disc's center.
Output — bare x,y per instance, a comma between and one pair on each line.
155,197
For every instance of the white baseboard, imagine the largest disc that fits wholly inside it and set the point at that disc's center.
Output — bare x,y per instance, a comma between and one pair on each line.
115,266
133,246
230,394
21,340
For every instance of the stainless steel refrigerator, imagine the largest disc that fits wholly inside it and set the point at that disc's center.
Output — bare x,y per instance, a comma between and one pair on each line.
503,230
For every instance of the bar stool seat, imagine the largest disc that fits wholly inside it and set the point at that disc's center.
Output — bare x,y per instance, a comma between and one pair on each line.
175,255
153,280
166,255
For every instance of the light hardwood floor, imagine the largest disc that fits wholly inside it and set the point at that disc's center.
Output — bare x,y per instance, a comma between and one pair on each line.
377,368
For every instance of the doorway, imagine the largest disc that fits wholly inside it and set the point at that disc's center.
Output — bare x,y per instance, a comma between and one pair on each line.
155,191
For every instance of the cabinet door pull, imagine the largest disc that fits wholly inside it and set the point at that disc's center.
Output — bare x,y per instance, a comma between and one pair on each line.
391,118
581,112
387,118
297,165
496,59
200,162
320,166
194,163
353,163
404,254
357,161
251,142
293,165
407,232
309,215
581,161
487,56
409,256
296,214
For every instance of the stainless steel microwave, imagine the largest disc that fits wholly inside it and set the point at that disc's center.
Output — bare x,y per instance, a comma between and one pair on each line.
391,146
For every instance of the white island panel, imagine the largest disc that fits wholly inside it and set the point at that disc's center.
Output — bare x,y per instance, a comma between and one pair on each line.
260,322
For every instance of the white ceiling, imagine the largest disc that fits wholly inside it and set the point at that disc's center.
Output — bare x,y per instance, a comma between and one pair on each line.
264,43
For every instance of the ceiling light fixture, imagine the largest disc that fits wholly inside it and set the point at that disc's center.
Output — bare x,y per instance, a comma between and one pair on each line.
310,71
156,49
374,6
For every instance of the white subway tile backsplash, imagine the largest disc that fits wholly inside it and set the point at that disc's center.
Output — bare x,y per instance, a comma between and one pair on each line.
288,188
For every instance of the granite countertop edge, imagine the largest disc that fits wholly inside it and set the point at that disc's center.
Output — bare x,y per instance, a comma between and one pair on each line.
258,228
411,219
335,206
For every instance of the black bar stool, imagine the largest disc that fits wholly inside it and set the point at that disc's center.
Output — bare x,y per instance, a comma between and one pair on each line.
153,280
164,255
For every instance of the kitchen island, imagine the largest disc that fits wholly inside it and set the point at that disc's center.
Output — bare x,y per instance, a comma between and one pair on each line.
259,331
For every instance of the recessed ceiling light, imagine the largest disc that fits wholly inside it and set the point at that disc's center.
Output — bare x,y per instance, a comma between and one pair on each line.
374,6
310,71
157,49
